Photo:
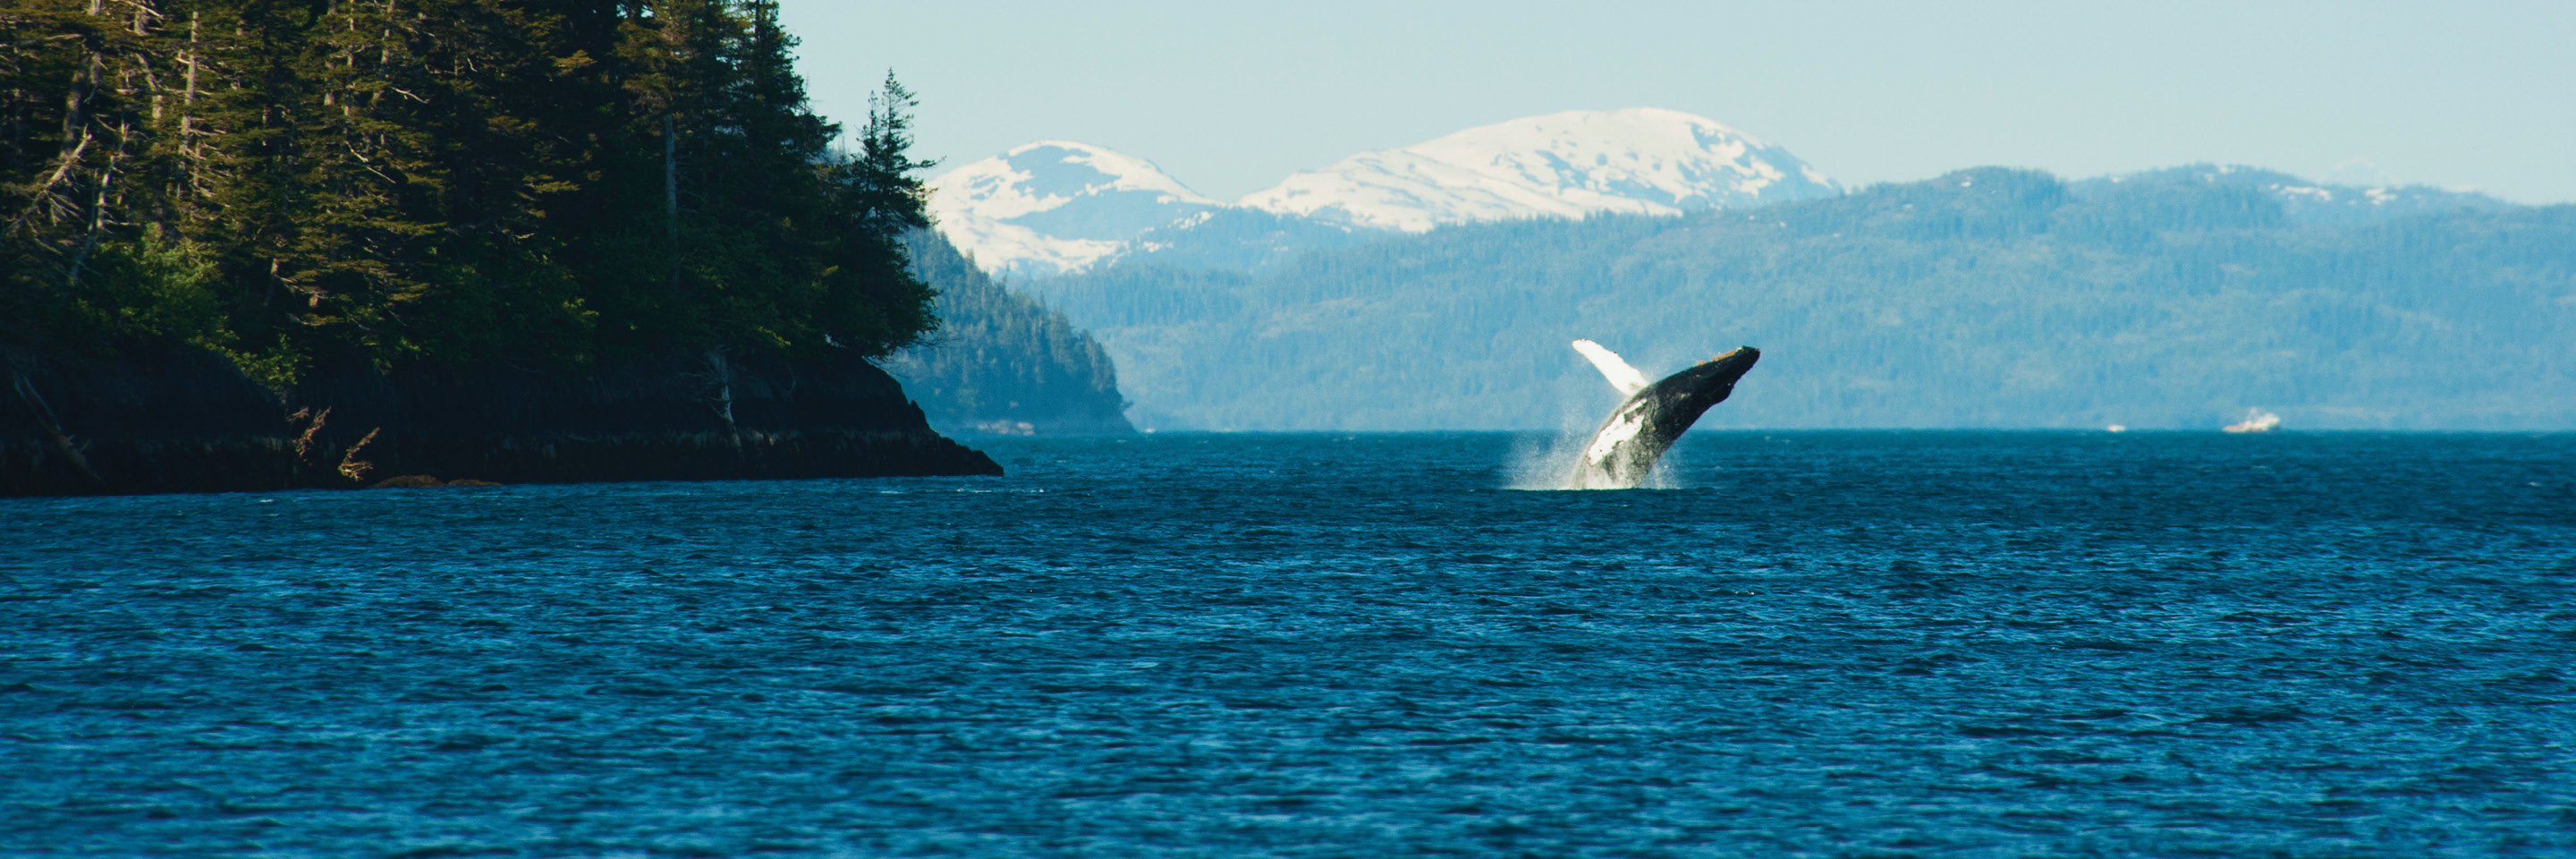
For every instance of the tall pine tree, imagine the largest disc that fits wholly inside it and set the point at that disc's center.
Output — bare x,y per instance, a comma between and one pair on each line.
538,183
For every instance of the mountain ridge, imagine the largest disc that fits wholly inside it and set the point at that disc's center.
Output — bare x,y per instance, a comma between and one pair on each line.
1054,207
1567,164
1987,297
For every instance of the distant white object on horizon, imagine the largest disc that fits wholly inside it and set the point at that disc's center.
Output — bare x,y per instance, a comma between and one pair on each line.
2116,428
2256,420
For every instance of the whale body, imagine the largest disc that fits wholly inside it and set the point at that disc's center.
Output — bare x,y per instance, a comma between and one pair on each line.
1628,444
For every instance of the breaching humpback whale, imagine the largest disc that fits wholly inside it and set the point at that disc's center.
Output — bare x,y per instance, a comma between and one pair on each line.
1644,426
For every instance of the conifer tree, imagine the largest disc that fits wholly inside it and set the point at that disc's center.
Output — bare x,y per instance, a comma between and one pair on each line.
83,112
531,182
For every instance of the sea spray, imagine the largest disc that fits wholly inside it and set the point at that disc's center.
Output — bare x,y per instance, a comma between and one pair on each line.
1547,461
1544,461
1628,448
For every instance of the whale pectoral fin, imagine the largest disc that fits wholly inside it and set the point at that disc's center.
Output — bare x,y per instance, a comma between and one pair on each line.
1623,377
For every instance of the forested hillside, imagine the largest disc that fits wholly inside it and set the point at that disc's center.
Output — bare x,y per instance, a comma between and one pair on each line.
1985,298
529,183
1003,363
260,245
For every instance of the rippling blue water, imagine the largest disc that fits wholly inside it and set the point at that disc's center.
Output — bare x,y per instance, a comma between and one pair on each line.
1824,644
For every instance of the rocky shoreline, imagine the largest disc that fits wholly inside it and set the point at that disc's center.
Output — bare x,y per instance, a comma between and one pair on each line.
189,421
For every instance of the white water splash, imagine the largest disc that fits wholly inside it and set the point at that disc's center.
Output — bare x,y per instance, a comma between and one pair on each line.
1550,463
1545,462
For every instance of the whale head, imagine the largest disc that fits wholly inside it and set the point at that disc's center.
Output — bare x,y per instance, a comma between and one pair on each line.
1684,396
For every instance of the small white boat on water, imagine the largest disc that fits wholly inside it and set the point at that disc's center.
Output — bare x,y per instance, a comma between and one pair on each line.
2256,420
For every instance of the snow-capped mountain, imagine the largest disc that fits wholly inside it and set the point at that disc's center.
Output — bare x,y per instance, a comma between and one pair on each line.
1570,164
1055,206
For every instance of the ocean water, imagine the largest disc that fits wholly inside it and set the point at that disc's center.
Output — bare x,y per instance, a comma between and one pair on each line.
1812,644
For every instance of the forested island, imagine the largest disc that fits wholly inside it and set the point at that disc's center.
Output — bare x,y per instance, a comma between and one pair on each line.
258,245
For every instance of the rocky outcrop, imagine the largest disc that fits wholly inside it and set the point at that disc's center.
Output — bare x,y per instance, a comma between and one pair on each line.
190,422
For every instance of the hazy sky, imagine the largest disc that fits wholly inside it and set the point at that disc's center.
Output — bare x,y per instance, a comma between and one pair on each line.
1229,97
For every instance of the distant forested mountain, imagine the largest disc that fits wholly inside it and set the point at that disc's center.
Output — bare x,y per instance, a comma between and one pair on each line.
1001,362
2302,201
1985,298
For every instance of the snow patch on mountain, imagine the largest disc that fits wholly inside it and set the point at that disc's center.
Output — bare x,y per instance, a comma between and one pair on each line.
2308,202
1055,206
1570,164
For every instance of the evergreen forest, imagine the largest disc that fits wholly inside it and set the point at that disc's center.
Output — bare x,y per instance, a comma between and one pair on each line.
1002,363
532,184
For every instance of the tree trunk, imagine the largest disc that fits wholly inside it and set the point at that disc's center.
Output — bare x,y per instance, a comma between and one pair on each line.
671,193
53,428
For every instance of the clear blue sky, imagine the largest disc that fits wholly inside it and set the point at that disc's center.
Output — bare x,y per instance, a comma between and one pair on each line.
1231,96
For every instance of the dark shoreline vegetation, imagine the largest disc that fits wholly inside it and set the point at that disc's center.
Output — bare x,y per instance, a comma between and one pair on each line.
256,245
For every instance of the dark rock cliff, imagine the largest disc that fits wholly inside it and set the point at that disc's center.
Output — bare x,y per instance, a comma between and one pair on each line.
190,422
